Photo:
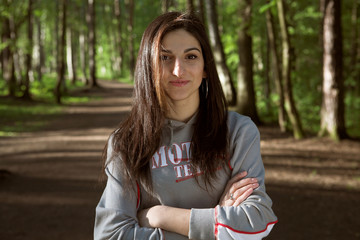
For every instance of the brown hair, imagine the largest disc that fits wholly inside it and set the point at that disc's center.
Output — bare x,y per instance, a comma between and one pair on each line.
139,136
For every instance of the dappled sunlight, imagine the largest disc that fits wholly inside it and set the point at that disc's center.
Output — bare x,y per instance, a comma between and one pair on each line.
311,162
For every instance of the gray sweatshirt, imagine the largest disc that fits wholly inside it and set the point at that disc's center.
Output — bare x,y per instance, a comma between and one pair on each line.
175,186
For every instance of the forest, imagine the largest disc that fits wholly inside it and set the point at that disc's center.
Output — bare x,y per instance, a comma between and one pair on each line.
292,63
66,81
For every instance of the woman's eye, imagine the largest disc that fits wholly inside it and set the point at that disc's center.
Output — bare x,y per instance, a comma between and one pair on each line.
191,57
164,57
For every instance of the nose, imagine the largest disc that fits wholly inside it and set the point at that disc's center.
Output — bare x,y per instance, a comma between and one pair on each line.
178,69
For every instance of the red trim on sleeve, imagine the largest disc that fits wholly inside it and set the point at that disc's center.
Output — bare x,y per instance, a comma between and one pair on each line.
230,165
216,223
226,226
138,195
162,233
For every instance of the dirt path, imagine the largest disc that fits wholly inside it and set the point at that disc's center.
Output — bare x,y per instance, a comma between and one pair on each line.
50,190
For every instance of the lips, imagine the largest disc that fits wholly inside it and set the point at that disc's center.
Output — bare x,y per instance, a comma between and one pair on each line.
179,82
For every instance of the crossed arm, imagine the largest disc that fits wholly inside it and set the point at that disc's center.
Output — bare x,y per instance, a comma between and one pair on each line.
236,191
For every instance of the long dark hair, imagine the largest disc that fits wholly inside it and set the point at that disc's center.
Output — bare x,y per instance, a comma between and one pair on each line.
139,136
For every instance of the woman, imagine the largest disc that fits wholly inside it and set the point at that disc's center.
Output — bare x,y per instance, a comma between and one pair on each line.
180,166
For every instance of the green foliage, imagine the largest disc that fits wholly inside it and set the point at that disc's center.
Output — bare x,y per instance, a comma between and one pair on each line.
18,115
303,16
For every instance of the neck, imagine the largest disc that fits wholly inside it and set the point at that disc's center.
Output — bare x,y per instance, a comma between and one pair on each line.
182,111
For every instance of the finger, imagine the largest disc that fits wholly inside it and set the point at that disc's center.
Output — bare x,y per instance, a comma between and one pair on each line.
238,192
243,197
242,183
237,177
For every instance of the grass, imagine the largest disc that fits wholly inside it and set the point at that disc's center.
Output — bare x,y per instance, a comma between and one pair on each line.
18,115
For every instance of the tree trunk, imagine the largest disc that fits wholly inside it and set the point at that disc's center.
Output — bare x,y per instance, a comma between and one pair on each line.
40,68
82,48
332,109
190,6
246,103
219,55
84,78
118,35
201,7
286,74
8,57
61,69
56,37
165,5
276,70
130,27
28,61
92,42
18,77
70,56
354,39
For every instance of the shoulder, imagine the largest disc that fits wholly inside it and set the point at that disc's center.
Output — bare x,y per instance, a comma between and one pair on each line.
241,125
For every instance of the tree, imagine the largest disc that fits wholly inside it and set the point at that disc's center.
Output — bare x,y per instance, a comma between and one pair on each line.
332,108
190,5
286,73
246,94
8,57
219,55
61,58
82,46
28,61
118,16
201,8
71,67
130,28
276,69
40,37
92,42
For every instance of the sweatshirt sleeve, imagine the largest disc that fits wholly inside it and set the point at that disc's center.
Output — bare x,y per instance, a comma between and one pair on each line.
116,212
253,218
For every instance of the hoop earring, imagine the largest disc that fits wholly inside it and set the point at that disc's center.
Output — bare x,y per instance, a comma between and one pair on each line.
204,87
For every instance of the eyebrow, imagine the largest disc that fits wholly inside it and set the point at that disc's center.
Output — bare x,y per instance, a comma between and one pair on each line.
185,51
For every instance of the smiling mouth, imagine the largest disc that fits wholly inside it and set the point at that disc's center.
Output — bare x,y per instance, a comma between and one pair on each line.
179,83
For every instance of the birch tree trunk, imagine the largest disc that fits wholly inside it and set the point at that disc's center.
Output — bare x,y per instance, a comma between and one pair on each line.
82,49
332,109
219,55
70,56
286,74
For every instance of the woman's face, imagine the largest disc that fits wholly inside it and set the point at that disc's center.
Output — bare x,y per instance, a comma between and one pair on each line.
183,67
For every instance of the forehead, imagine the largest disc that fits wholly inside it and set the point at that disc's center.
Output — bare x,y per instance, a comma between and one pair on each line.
179,39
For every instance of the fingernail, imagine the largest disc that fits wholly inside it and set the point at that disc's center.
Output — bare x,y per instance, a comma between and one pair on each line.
243,173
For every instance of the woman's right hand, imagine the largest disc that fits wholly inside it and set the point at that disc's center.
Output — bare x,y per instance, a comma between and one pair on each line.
238,189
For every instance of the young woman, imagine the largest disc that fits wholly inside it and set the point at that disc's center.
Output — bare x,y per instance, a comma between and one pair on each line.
181,166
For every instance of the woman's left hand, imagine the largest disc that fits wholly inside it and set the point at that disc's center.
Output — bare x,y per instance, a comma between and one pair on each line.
238,190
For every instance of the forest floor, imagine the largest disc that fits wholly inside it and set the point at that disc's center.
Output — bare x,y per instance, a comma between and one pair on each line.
49,178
